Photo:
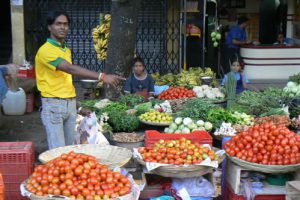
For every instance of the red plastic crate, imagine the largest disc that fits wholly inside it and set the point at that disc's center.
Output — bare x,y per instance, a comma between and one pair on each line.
16,165
202,137
229,195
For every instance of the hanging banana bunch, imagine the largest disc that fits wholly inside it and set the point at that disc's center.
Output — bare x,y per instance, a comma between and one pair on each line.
100,36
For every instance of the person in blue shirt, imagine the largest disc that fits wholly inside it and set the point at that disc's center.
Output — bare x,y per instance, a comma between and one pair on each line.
240,76
282,40
139,82
235,38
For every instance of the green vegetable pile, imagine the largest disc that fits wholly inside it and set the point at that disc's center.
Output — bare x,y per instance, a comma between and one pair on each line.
112,107
219,115
131,100
257,103
142,108
295,78
122,122
196,109
89,104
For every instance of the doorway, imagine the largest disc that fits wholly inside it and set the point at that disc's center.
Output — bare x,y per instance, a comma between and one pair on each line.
5,33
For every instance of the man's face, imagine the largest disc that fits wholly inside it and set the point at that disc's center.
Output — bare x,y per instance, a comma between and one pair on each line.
59,29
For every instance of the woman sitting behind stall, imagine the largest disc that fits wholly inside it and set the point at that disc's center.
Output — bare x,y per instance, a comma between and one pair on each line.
240,76
282,40
139,82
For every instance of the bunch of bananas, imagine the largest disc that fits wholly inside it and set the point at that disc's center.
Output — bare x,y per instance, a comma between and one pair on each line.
100,36
188,79
167,79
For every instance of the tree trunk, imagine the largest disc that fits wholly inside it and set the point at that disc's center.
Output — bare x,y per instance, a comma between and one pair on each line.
121,44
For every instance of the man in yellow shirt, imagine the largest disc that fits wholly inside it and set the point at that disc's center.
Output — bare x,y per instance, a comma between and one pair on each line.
54,70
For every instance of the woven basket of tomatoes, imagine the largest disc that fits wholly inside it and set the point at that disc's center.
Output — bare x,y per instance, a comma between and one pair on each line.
76,176
177,96
112,156
267,148
178,158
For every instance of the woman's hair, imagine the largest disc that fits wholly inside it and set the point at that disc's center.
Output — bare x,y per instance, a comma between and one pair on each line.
138,59
236,58
52,15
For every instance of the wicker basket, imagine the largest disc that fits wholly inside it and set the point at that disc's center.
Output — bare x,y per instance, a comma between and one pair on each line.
181,171
265,168
155,123
109,155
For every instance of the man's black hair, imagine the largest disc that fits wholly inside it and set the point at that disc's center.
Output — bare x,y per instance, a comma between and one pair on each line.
138,59
52,15
242,19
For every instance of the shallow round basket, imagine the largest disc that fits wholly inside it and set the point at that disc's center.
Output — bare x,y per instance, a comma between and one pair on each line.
264,168
180,171
112,156
155,124
57,197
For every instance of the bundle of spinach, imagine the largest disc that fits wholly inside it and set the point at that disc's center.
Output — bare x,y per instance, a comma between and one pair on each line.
196,109
219,115
121,122
112,107
131,100
89,104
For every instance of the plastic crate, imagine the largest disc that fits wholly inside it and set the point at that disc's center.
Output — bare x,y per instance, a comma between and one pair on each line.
16,165
202,137
229,195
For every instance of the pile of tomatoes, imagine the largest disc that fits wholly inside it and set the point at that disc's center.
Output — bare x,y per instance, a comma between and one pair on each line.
176,93
266,144
177,152
78,176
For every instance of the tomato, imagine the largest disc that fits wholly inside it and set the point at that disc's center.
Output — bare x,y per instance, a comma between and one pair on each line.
85,192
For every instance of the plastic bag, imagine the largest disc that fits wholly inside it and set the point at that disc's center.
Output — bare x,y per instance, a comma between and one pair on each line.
159,89
196,186
87,131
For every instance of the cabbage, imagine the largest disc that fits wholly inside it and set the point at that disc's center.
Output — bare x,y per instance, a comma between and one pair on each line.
173,126
181,127
208,126
201,128
291,84
177,131
294,89
169,130
178,120
186,130
192,126
200,123
187,121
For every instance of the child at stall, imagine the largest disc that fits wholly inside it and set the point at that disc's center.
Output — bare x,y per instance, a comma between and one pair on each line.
139,82
240,76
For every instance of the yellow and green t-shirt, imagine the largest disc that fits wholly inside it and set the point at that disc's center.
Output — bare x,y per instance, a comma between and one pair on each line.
50,81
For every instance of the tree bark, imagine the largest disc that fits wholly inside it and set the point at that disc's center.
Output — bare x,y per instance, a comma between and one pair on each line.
121,44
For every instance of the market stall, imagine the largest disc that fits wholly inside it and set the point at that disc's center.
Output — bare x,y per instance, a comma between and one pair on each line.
137,148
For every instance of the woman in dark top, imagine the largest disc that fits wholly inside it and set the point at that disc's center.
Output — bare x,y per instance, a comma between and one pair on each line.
139,82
